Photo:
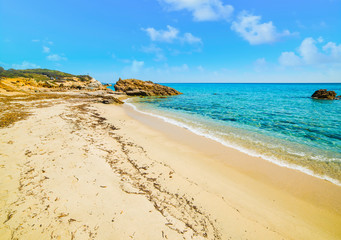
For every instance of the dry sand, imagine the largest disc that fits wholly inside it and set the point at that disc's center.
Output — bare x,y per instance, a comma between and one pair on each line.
78,170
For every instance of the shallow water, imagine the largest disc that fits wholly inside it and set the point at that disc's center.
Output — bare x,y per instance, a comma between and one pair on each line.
279,122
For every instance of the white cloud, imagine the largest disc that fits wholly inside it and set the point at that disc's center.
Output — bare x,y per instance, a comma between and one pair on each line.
162,35
159,56
289,59
4,65
171,35
135,69
43,41
136,66
260,61
189,38
182,68
56,57
25,65
139,70
333,49
46,49
125,60
309,53
200,68
260,65
250,28
320,39
202,10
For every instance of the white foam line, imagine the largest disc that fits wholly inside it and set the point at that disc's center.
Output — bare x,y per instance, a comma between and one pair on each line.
241,149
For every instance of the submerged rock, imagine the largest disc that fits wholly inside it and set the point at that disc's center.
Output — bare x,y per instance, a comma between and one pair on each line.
135,87
324,94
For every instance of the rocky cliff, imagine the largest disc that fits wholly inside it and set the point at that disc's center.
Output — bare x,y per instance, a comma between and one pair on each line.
46,84
135,87
45,80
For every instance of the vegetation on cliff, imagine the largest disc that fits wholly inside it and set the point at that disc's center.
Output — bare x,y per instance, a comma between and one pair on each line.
12,80
40,74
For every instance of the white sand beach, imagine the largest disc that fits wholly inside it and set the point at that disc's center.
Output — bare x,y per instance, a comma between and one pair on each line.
81,170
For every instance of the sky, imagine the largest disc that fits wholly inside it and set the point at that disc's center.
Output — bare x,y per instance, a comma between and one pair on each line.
176,40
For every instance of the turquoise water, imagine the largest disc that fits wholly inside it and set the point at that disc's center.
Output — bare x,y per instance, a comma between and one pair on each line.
279,122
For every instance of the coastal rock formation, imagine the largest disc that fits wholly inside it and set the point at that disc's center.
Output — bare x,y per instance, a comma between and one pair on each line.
135,87
93,83
36,80
324,94
104,97
47,84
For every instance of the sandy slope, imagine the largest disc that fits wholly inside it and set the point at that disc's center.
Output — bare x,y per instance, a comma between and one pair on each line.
81,171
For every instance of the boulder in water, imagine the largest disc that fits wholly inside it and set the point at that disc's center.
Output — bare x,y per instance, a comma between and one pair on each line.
324,94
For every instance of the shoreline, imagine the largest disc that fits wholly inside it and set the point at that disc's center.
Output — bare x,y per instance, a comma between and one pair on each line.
78,169
278,162
258,167
302,195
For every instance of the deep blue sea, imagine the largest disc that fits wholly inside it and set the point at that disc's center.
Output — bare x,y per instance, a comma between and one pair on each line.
279,122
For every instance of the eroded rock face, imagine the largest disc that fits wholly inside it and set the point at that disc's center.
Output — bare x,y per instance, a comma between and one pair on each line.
95,84
324,94
135,87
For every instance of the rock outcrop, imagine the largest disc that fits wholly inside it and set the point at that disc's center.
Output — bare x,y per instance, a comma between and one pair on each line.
135,87
104,96
94,84
45,80
324,94
40,83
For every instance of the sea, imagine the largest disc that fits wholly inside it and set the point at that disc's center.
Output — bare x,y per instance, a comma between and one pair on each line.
278,122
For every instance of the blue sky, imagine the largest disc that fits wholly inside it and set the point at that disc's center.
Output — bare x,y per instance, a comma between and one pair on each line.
176,40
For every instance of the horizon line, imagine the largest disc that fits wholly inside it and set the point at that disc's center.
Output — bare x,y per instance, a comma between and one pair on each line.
239,82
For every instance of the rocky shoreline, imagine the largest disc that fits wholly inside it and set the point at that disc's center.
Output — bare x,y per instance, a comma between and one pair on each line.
18,87
135,87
